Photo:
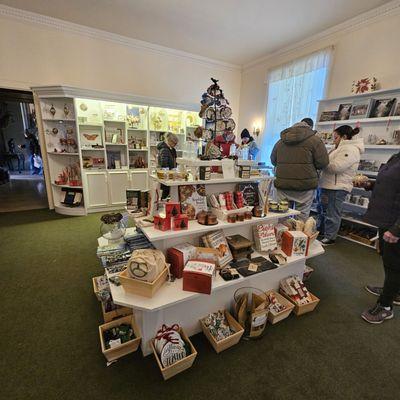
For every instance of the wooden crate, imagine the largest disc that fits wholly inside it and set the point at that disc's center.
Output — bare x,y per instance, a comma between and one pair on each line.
361,239
108,316
230,340
179,366
125,348
275,318
142,288
95,287
302,309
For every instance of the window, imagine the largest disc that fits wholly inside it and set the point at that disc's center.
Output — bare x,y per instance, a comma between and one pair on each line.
293,92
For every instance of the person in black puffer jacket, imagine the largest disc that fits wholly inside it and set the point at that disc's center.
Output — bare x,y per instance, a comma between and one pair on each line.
384,212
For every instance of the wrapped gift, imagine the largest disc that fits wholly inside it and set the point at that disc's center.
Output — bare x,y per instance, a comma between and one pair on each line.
295,243
197,276
162,223
239,199
180,222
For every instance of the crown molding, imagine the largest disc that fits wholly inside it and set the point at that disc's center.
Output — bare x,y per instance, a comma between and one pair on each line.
55,91
353,24
81,30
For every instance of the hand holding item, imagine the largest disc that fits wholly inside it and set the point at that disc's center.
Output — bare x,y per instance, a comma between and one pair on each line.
390,238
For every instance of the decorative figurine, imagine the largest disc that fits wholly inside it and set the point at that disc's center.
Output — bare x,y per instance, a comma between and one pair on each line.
66,110
52,110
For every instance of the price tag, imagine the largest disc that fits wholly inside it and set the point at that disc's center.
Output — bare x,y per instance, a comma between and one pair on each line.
252,267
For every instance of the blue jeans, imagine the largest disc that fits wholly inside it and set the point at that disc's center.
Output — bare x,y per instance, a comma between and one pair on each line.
330,211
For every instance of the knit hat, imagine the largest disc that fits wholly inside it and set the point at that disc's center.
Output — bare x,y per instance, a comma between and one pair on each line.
245,134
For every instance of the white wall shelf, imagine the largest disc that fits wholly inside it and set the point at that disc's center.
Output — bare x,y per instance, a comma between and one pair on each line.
361,121
53,153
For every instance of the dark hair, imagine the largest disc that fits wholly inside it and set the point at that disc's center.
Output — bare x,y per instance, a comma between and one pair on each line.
309,122
246,134
347,130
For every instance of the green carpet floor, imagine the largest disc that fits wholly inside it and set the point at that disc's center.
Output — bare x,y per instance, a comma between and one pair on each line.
49,346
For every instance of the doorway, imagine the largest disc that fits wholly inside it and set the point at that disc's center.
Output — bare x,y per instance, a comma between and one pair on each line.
22,185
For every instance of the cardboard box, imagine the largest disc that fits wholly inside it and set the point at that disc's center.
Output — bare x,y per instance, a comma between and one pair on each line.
125,348
180,222
179,366
295,243
109,316
231,340
197,276
279,230
172,209
162,223
179,255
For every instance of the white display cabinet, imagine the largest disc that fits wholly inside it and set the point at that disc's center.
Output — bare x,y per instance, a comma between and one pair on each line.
381,136
110,139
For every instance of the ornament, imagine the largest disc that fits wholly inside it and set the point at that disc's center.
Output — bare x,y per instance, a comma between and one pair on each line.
52,110
54,131
83,107
66,110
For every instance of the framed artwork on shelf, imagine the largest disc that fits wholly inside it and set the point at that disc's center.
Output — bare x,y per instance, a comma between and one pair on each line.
382,108
329,116
360,109
344,111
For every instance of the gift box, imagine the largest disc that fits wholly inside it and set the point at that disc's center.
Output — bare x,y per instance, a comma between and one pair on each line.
244,171
180,222
205,173
197,276
295,243
162,223
172,209
279,230
178,256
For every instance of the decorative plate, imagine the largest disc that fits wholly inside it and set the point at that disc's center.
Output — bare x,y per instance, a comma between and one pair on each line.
226,112
230,124
220,126
210,114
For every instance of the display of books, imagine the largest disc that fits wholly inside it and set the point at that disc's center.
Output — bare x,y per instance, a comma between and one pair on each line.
216,240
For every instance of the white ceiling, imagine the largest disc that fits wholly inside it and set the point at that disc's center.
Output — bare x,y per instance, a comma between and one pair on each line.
234,31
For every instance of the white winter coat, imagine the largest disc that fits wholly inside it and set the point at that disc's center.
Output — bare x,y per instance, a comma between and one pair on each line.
343,165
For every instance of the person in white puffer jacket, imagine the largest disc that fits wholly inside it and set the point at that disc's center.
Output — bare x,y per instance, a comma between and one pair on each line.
336,180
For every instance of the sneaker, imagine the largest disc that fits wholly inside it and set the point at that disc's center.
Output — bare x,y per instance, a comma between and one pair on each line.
377,314
377,291
327,242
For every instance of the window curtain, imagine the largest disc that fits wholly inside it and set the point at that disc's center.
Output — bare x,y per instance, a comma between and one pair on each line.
293,92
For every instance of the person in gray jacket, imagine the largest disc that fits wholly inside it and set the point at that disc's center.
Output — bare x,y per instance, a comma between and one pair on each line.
298,156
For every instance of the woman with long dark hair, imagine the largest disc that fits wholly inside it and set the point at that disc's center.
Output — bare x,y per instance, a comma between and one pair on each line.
337,180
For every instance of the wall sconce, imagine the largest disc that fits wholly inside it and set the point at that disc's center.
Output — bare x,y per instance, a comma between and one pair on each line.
256,129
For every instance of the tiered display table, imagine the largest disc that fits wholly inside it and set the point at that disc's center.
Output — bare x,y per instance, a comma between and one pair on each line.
173,305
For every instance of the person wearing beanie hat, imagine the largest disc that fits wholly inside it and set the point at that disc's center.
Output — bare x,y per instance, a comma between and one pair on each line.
248,140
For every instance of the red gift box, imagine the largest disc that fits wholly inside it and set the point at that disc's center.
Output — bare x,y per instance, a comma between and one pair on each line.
162,223
197,276
180,222
295,243
172,209
178,256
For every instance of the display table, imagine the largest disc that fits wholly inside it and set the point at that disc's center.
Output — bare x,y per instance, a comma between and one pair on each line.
173,305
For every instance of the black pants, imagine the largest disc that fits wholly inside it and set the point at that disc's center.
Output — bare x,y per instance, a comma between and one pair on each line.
390,253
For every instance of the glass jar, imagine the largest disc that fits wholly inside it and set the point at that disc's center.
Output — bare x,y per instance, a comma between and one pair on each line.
113,227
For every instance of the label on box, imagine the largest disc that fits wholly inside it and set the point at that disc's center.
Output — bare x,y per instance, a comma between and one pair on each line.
114,343
200,267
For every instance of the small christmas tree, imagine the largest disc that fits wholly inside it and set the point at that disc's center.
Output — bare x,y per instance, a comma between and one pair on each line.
216,113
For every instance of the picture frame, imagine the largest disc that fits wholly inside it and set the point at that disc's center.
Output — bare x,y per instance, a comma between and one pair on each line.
328,116
344,111
396,109
361,109
382,108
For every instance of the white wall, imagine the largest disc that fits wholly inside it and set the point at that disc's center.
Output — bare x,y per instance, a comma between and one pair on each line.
34,54
373,50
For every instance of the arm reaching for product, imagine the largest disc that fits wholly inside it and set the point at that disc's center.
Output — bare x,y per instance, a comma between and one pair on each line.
389,237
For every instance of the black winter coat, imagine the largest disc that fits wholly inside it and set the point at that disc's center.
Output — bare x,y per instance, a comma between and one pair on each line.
166,156
384,206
